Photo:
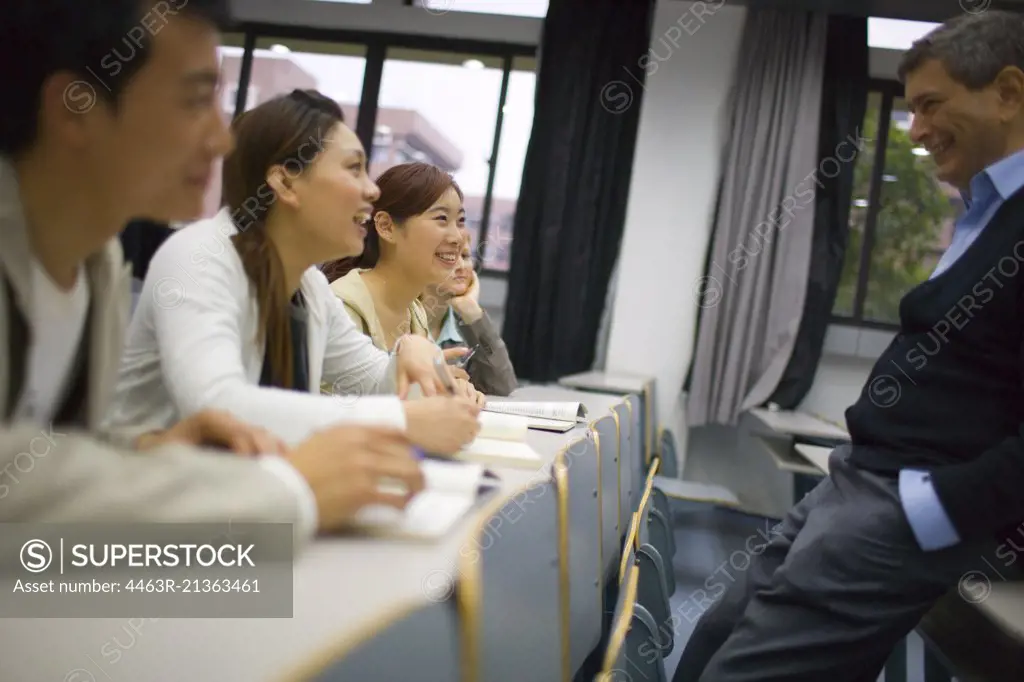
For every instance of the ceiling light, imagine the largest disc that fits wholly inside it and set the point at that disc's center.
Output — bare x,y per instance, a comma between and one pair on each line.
280,49
473,64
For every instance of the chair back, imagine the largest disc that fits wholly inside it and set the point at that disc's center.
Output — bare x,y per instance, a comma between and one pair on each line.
606,438
419,644
582,536
614,667
632,652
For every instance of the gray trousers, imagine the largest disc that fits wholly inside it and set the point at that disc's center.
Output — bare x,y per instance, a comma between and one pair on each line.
832,593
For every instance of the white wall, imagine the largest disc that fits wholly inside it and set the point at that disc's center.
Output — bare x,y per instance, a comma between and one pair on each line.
671,198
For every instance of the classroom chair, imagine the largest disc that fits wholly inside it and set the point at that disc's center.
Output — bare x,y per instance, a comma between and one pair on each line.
652,591
631,653
510,581
657,528
426,636
675,488
576,475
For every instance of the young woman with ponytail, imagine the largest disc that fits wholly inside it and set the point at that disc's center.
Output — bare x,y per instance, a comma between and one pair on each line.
235,314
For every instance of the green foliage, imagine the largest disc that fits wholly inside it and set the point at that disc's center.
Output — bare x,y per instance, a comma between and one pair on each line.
910,219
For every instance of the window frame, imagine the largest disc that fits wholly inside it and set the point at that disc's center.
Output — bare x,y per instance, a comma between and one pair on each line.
377,45
889,91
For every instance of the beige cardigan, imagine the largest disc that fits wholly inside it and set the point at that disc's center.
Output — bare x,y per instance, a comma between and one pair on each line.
352,291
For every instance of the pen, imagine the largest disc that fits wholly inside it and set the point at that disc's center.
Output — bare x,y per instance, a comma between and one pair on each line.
464,360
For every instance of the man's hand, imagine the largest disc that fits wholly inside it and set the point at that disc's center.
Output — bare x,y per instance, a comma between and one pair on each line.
415,365
215,429
350,467
442,425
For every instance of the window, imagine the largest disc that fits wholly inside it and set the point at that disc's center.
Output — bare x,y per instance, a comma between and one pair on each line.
901,220
519,8
437,101
335,69
442,108
516,126
896,34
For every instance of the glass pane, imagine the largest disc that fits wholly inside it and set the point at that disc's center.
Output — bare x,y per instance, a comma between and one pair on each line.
440,108
519,8
896,34
335,69
915,221
517,124
843,306
280,66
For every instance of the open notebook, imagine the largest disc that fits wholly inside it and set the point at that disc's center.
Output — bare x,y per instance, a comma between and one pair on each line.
501,441
558,416
451,490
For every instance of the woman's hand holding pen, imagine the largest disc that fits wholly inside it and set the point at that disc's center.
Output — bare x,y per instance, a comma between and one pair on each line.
442,425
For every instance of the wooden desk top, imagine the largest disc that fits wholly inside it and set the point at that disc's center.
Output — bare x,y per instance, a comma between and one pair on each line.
785,422
815,454
343,587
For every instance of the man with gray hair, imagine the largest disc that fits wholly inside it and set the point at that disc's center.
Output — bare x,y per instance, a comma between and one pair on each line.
933,478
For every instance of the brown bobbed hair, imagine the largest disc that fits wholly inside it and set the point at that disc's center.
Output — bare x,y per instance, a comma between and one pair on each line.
406,190
290,131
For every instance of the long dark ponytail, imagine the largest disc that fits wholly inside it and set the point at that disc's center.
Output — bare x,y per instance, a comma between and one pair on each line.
287,131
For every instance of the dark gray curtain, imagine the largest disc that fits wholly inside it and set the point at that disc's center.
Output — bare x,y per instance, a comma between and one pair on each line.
752,293
572,200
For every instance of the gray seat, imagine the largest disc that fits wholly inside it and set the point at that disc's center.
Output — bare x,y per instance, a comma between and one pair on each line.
512,590
688,490
576,475
427,639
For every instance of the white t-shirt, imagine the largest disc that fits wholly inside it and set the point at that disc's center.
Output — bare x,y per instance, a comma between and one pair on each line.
56,321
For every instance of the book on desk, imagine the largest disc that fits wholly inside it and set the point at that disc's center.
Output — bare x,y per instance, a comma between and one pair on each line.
451,489
556,416
453,485
502,442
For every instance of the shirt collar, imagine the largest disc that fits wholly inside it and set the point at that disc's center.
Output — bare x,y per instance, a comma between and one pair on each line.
449,328
1005,177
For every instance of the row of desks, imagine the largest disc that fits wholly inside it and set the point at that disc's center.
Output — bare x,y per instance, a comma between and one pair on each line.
345,588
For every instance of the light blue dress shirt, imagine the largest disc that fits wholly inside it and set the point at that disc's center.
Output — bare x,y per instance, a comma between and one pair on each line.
450,334
988,190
